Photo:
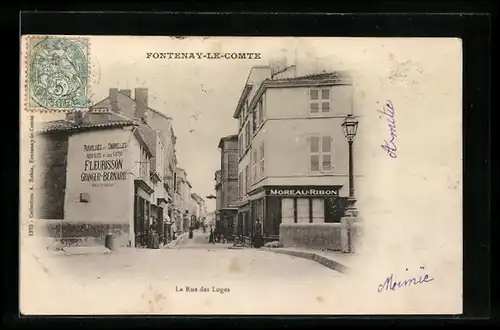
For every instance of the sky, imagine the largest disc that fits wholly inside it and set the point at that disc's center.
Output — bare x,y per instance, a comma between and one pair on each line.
200,95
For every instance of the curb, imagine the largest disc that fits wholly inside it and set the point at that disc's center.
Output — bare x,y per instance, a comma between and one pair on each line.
177,241
329,263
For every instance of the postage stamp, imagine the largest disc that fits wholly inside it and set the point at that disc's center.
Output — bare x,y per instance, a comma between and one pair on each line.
57,77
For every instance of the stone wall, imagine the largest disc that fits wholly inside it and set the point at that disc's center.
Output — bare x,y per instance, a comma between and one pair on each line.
356,232
63,233
311,235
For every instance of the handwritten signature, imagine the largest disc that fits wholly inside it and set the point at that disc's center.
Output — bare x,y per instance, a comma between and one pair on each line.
391,284
390,146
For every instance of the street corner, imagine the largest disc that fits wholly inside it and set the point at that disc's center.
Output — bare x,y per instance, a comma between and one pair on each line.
329,260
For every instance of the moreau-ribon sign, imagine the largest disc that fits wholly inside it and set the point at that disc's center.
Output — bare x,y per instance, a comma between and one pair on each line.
297,192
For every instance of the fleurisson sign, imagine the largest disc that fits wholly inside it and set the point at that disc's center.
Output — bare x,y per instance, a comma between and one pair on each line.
303,192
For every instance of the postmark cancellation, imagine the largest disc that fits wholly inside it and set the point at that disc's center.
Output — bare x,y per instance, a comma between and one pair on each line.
57,73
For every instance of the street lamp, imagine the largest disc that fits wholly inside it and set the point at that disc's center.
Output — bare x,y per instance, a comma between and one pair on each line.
350,126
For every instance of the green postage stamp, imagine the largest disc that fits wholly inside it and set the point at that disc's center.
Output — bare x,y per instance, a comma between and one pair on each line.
57,76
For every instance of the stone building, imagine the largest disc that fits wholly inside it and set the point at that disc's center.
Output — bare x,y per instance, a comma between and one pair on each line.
78,191
227,185
51,149
121,103
292,155
107,174
182,200
198,211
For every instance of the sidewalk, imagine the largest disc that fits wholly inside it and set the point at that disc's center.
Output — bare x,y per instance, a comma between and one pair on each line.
335,260
178,239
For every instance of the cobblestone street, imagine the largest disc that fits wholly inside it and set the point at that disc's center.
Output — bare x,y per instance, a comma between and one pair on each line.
145,280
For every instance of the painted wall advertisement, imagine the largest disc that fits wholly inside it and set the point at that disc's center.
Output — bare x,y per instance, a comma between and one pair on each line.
103,164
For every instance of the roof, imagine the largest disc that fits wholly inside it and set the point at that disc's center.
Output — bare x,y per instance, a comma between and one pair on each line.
197,197
332,78
106,103
142,140
158,112
311,80
231,137
181,170
55,125
149,137
246,90
316,76
68,126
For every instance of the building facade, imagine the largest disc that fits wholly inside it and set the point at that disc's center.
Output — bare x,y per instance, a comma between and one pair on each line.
107,175
293,157
218,200
227,185
198,210
121,104
112,168
182,200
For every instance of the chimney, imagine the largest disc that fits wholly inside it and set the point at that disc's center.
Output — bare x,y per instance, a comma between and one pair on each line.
113,97
70,116
78,117
141,102
127,92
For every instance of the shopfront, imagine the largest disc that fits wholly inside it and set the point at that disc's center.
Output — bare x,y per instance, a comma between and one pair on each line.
168,224
142,212
243,226
275,205
160,213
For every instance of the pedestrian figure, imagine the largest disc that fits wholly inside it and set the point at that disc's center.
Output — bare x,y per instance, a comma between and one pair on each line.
211,237
258,239
190,232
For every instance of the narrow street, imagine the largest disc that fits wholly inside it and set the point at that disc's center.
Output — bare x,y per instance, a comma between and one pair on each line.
150,281
200,241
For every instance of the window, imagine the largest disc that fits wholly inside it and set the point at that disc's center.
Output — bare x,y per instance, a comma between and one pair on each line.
262,159
240,145
302,210
240,184
319,100
318,210
255,120
175,182
247,137
261,112
321,153
143,165
250,125
254,165
287,211
247,179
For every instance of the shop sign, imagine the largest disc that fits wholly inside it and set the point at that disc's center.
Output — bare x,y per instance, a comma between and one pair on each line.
303,192
104,163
